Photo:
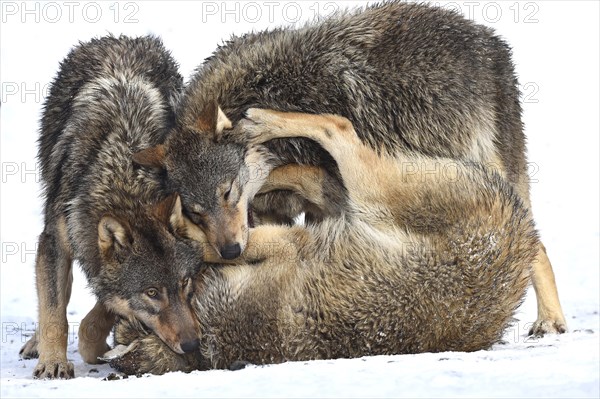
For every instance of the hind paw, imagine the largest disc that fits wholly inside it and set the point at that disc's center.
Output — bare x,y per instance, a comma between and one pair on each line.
542,327
261,125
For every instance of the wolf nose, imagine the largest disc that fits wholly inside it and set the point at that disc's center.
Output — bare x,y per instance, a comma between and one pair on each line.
231,251
190,346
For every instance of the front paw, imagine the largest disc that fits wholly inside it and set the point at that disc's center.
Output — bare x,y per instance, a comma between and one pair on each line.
30,349
54,368
545,326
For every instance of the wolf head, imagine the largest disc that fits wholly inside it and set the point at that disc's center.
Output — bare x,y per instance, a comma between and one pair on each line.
147,273
211,176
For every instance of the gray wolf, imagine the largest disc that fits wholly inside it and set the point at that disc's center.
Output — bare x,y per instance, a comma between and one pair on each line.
112,97
412,78
411,265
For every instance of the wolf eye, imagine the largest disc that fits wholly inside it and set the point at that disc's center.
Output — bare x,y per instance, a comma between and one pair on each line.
196,218
185,282
152,292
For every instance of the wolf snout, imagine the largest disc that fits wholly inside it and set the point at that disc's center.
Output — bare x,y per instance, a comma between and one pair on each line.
190,346
231,251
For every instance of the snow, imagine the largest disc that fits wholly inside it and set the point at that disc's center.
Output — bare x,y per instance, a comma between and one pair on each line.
556,51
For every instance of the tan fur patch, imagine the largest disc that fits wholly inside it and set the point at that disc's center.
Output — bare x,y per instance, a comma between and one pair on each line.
549,309
151,157
63,235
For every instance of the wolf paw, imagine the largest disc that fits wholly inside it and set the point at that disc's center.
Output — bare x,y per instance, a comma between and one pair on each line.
30,349
259,125
542,327
52,369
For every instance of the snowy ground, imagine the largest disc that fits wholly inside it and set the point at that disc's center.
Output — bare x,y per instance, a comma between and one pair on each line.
556,54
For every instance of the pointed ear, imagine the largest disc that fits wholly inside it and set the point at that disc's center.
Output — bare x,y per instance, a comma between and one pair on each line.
152,157
212,120
223,121
113,236
176,219
169,211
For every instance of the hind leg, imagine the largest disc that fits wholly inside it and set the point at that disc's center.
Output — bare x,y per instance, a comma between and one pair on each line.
550,318
277,207
306,181
291,189
54,279
550,315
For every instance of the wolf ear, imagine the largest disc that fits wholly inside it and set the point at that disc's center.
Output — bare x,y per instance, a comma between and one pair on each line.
169,211
152,157
212,119
223,122
112,235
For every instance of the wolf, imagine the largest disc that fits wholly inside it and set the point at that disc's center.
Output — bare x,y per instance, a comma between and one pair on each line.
412,264
412,78
112,97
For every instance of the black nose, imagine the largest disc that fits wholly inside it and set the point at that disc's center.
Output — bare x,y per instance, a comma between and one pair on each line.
190,346
231,251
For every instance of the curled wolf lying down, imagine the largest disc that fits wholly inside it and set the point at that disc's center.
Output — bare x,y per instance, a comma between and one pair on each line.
414,263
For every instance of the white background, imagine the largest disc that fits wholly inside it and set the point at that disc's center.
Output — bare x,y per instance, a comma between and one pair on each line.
557,59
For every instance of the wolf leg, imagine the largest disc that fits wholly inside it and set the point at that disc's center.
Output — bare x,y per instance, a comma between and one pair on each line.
334,133
356,162
277,207
307,181
54,279
93,331
550,315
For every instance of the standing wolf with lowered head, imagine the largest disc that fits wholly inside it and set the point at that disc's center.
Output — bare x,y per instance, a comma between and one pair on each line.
412,78
111,98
